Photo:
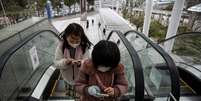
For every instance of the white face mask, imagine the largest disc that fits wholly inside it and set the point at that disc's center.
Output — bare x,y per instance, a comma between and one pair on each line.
73,45
103,68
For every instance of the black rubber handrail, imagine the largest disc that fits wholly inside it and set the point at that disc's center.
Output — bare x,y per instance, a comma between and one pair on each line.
60,35
175,85
6,55
189,66
17,33
179,35
138,75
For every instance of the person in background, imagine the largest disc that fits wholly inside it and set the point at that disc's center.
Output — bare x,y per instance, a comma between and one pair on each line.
104,31
101,78
87,26
92,21
99,24
69,54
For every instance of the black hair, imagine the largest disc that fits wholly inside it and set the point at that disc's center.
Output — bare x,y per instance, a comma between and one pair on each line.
76,30
106,53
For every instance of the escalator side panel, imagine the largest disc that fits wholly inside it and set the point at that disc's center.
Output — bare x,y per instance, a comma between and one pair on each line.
19,76
191,80
48,90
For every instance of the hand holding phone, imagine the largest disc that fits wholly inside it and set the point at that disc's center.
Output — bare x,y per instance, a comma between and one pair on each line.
109,91
76,62
68,61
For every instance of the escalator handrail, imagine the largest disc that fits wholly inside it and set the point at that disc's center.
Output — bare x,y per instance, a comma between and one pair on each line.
175,85
178,35
61,34
189,66
17,33
139,78
6,55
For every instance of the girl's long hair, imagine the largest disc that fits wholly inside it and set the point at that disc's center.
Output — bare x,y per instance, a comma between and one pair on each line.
77,30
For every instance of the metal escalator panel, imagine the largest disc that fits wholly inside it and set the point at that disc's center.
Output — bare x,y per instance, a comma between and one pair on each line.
23,65
186,90
133,70
160,74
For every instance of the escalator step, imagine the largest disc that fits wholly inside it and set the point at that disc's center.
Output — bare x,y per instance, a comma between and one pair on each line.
59,94
186,91
60,86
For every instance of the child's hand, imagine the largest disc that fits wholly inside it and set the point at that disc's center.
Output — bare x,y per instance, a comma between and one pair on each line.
68,61
76,62
109,91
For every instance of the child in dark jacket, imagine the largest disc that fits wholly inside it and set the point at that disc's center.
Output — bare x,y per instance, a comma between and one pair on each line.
102,77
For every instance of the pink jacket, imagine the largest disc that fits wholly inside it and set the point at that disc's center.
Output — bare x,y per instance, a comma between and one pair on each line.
114,78
67,70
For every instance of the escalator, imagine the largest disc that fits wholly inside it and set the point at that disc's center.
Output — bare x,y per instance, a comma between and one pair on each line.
27,72
134,75
160,77
137,62
186,54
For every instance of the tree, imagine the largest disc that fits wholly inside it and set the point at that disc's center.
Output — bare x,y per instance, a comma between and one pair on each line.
193,16
69,3
14,5
157,30
55,3
90,2
40,6
138,3
76,1
169,7
22,3
125,13
137,21
14,9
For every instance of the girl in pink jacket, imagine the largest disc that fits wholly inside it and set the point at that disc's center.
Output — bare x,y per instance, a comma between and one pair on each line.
102,77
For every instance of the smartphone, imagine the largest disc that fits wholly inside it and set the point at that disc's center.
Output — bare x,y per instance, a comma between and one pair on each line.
102,95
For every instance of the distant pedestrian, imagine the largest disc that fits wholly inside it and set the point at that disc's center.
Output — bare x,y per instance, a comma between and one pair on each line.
99,24
92,21
87,26
104,31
